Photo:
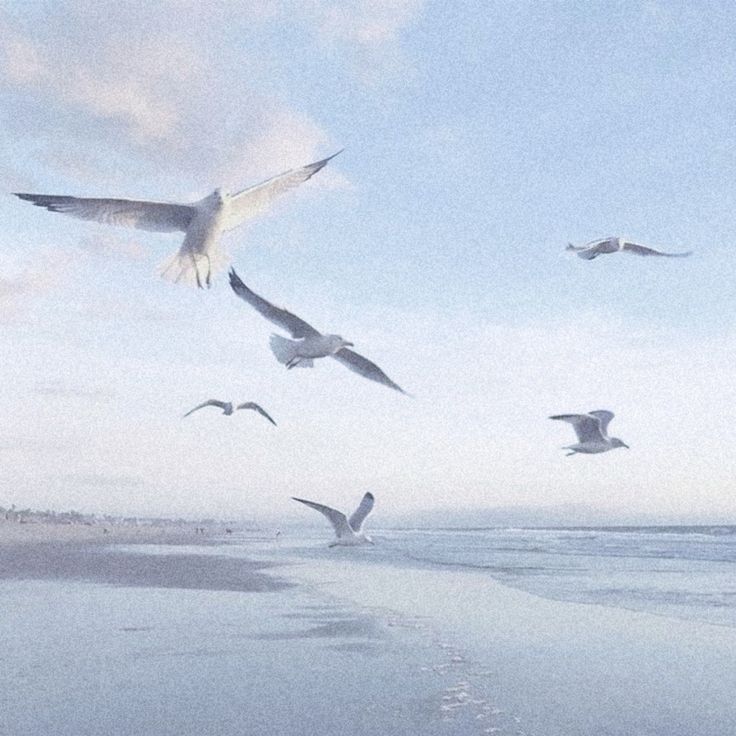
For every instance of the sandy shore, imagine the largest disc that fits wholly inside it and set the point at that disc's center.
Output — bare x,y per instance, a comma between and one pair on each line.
204,638
43,551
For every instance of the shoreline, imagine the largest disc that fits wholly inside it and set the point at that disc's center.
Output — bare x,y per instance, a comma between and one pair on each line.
35,531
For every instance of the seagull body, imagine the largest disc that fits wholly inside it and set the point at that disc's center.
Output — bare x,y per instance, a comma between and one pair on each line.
301,353
591,429
308,344
347,530
603,246
202,222
228,408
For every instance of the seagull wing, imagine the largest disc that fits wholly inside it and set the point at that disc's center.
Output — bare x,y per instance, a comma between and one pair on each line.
257,199
211,402
294,325
365,368
154,216
604,417
587,427
358,517
336,518
643,250
255,407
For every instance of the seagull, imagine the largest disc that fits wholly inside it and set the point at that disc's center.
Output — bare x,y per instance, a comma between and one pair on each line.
602,246
203,221
591,429
347,530
309,344
228,409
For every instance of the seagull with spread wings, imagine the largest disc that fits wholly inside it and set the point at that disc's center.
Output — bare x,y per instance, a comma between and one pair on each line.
228,408
203,222
308,344
592,432
603,246
346,529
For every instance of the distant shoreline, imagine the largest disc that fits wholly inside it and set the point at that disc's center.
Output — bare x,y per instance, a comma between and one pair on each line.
32,529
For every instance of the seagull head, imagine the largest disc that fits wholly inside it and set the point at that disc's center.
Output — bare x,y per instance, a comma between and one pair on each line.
616,442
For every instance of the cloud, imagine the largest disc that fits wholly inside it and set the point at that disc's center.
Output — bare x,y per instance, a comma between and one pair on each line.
100,91
370,23
97,104
102,480
31,280
367,34
34,446
106,243
104,308
64,392
103,81
13,292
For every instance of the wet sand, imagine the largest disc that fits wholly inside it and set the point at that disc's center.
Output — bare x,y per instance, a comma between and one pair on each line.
196,638
41,551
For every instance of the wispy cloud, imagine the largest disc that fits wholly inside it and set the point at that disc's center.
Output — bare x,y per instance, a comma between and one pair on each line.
101,80
370,23
103,480
30,280
106,243
174,107
368,33
65,392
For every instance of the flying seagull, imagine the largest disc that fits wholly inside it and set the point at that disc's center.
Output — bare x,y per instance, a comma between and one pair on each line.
228,408
591,429
309,344
203,222
347,530
602,246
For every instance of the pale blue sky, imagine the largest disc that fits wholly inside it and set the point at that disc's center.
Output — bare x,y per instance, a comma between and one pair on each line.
480,138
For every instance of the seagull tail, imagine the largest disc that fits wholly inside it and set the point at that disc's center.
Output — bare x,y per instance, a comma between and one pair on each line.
286,350
193,269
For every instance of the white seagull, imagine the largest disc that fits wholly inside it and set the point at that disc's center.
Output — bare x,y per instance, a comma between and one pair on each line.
602,246
347,530
591,429
228,408
309,343
203,222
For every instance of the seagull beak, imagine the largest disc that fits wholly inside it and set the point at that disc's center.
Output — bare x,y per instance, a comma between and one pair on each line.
349,345
626,446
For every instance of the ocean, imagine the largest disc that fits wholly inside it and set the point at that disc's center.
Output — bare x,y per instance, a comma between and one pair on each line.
681,571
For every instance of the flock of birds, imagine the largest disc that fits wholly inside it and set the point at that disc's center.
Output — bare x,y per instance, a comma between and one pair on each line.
200,256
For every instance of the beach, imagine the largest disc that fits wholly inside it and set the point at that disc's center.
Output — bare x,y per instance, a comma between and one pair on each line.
145,637
176,633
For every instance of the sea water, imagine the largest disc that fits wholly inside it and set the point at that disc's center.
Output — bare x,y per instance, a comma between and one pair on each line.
680,571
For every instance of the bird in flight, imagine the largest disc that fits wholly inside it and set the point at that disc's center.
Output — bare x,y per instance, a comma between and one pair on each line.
228,408
308,344
592,432
603,246
203,222
347,530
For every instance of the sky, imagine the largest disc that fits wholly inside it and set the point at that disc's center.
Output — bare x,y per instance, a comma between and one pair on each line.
480,138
